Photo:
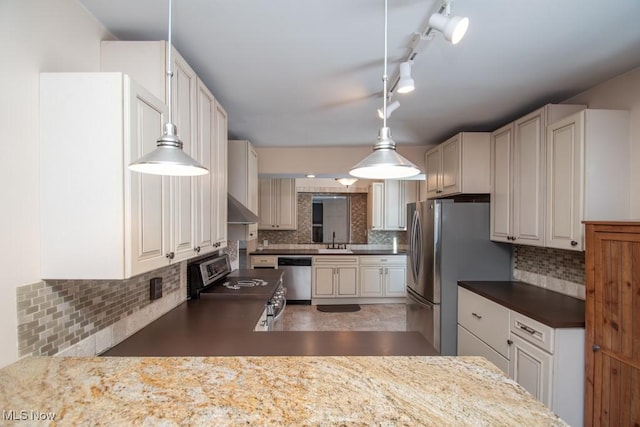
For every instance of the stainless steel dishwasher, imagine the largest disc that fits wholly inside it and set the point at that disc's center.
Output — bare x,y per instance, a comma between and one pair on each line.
297,278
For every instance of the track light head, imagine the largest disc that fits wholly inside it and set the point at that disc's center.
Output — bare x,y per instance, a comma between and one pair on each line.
452,27
390,109
405,84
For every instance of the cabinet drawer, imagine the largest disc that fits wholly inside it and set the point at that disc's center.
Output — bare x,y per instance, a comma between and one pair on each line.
470,345
264,261
485,319
383,260
532,331
335,260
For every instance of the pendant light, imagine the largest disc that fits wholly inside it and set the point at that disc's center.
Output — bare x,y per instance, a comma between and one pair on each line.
168,158
384,162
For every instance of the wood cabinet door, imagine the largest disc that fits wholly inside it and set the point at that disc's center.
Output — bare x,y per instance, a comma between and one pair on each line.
501,145
612,325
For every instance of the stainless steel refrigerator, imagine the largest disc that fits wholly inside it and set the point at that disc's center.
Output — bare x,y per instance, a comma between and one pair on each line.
448,241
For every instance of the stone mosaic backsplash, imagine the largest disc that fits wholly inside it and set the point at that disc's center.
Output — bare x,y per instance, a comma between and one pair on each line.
555,269
56,314
359,233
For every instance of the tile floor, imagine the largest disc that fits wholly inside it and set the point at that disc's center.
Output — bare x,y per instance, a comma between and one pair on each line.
371,317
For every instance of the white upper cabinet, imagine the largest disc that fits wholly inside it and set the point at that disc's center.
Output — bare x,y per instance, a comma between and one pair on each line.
387,204
277,200
99,220
518,176
243,185
588,174
200,120
460,165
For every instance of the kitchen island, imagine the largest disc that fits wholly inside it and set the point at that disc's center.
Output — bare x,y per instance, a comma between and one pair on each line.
400,390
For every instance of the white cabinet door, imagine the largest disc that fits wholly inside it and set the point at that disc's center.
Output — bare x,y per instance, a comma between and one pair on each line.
433,174
394,205
470,345
346,280
375,202
252,179
323,281
219,178
395,280
531,367
205,154
287,204
501,222
102,221
182,188
528,176
564,183
451,168
371,283
266,204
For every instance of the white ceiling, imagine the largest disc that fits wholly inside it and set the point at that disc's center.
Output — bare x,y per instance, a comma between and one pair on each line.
308,72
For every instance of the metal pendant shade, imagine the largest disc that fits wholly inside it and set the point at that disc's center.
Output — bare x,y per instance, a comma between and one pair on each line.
168,158
384,162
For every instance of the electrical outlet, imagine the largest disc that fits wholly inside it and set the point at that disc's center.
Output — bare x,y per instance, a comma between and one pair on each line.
155,288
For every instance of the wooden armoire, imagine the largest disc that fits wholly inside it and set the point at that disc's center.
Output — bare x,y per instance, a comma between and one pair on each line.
612,334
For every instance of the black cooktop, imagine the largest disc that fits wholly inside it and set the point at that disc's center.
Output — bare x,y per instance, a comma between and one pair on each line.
238,284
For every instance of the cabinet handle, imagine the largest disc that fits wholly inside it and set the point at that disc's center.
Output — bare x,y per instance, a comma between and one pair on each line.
595,347
528,329
170,255
197,249
477,316
509,342
574,243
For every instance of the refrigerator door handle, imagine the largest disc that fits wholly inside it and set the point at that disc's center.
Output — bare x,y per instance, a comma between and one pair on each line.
417,244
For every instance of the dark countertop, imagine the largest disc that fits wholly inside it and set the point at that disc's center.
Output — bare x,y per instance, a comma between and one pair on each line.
548,307
214,327
314,252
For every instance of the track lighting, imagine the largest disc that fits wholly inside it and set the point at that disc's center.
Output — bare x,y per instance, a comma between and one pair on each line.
385,162
405,84
452,27
390,109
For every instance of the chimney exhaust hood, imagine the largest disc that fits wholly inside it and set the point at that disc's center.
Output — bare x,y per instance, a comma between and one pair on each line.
237,213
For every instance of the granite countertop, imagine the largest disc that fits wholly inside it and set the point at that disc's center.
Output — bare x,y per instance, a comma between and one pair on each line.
548,307
314,252
430,391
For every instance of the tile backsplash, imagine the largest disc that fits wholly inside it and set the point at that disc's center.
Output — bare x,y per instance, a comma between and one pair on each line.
555,269
359,233
54,315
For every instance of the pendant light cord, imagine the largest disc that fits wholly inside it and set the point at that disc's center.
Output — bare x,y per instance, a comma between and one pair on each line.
384,76
169,71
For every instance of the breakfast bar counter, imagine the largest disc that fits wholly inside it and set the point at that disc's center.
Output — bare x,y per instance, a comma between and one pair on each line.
341,390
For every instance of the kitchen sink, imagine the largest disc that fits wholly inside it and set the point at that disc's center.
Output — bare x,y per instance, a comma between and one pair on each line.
335,251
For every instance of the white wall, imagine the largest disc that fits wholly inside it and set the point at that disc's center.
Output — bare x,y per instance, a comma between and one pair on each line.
622,92
35,36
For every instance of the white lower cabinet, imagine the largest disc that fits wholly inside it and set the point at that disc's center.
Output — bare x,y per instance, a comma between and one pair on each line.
548,362
335,277
383,276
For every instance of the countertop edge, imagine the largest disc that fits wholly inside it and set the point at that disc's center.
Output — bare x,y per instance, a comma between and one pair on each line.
476,287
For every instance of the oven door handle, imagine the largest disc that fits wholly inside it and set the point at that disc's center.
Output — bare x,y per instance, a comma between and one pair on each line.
278,315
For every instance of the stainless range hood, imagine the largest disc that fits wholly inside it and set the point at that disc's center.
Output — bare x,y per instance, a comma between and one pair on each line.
237,213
